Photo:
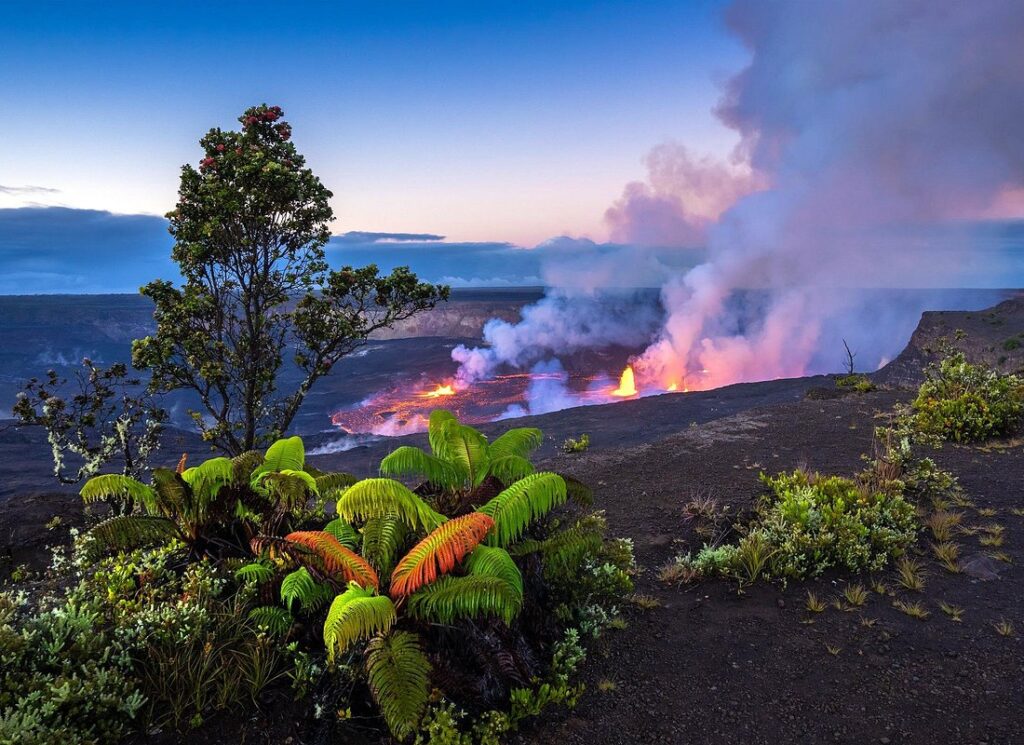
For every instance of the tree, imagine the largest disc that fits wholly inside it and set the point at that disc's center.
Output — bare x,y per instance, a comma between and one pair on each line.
107,416
250,229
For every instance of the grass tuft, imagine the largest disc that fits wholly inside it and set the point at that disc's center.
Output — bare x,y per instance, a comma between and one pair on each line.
910,574
813,603
855,595
914,610
955,613
948,554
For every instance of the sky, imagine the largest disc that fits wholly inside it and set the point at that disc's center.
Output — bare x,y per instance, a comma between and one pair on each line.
483,122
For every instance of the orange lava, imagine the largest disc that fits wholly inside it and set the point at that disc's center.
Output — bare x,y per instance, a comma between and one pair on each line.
441,390
627,384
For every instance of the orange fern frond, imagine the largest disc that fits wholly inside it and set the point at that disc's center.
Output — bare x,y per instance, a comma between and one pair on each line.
439,552
338,561
181,463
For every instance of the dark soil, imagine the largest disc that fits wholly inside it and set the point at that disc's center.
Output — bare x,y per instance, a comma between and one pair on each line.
712,665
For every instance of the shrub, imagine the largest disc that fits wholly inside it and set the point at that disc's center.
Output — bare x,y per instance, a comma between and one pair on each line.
963,402
576,444
815,522
856,382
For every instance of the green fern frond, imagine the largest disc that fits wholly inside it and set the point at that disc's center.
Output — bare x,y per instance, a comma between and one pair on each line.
472,596
271,618
300,585
577,491
522,503
439,552
243,465
399,677
356,614
411,461
491,561
116,486
345,533
439,421
209,476
520,441
379,497
257,572
127,532
173,496
510,468
568,548
383,538
284,455
467,449
330,485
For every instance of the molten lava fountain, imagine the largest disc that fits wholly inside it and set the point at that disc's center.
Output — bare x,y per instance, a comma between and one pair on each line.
627,384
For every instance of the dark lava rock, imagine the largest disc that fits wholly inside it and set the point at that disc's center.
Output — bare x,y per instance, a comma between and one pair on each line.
981,567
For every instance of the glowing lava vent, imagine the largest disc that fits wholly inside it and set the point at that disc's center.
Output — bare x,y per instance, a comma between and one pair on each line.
627,384
440,392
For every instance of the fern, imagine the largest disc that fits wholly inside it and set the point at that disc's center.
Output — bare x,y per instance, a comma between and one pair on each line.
127,532
510,468
333,558
256,571
578,492
467,449
210,476
411,461
286,454
522,503
173,496
439,421
287,487
270,618
518,442
399,674
356,614
566,549
439,552
345,533
495,562
379,497
382,539
330,485
300,585
116,486
243,465
451,598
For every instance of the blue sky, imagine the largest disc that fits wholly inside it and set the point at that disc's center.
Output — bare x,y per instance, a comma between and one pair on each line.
495,121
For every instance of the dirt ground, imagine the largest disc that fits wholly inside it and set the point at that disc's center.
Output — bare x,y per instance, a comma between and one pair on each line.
711,665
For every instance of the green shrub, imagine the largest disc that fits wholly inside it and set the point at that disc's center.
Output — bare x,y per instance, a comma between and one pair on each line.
576,444
1012,343
815,522
855,381
963,402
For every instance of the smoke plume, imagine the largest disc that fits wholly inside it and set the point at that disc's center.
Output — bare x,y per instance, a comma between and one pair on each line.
867,128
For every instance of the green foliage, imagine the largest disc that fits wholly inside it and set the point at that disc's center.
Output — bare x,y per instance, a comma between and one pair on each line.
371,498
398,675
99,418
461,458
356,615
963,402
383,538
250,227
299,585
521,503
473,596
814,522
856,382
577,444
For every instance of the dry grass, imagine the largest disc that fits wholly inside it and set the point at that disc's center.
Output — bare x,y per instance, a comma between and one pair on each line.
942,524
675,573
645,602
834,651
868,622
607,686
948,554
910,574
914,610
955,612
987,511
1004,628
813,603
855,595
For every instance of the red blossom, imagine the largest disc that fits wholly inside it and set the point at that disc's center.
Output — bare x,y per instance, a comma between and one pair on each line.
220,148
